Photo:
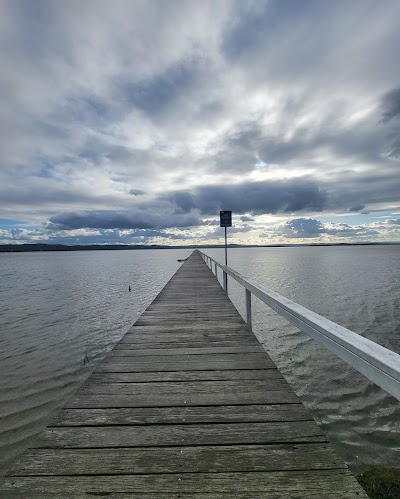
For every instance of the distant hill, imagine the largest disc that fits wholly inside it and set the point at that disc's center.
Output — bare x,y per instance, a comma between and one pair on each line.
19,248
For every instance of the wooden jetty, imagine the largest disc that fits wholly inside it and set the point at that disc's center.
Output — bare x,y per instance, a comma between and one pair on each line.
187,405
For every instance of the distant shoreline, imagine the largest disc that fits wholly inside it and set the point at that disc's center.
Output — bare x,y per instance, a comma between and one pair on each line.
22,248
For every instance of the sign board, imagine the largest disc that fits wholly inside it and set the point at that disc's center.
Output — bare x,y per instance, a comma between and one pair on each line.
225,219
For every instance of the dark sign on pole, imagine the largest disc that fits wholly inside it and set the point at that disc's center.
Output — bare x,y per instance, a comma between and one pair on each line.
225,218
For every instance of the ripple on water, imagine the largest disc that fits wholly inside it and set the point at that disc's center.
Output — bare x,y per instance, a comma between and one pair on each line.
347,286
60,313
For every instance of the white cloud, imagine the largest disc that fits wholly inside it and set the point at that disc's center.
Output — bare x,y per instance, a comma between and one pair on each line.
102,100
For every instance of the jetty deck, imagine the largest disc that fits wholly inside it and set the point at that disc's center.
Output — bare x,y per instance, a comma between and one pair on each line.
187,405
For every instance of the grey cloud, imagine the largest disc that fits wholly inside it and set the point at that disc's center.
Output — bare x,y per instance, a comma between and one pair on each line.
300,50
40,191
305,228
395,221
110,236
178,209
245,218
238,148
357,207
96,96
368,189
131,163
210,222
391,105
243,32
108,219
183,200
156,94
345,230
393,150
241,229
98,236
261,25
137,192
363,144
254,197
311,42
211,234
244,135
302,228
87,109
245,142
391,118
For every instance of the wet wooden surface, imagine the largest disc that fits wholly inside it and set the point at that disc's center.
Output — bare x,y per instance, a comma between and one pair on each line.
187,405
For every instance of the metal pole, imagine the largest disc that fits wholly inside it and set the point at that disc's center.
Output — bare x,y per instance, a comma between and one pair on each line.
226,249
226,263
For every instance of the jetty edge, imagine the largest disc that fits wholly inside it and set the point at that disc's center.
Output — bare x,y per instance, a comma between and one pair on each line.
187,405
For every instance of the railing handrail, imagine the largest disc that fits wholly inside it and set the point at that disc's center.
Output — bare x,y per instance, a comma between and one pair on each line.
375,362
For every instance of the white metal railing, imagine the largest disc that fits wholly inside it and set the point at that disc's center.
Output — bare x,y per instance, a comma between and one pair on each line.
375,362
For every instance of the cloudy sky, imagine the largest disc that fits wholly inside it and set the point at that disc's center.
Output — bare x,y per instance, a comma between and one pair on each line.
137,121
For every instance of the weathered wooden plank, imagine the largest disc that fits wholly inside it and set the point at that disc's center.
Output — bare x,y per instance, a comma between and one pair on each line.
168,435
165,344
229,321
181,415
212,333
195,312
212,389
148,377
206,334
338,484
184,309
188,340
202,459
186,362
193,318
192,328
282,396
198,393
198,316
129,350
184,494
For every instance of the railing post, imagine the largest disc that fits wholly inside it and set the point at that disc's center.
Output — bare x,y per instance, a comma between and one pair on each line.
216,270
225,282
248,308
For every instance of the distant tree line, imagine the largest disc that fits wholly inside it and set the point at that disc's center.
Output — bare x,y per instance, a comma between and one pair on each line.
19,248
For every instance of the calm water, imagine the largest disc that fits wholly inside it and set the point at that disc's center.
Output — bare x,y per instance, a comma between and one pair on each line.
60,313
